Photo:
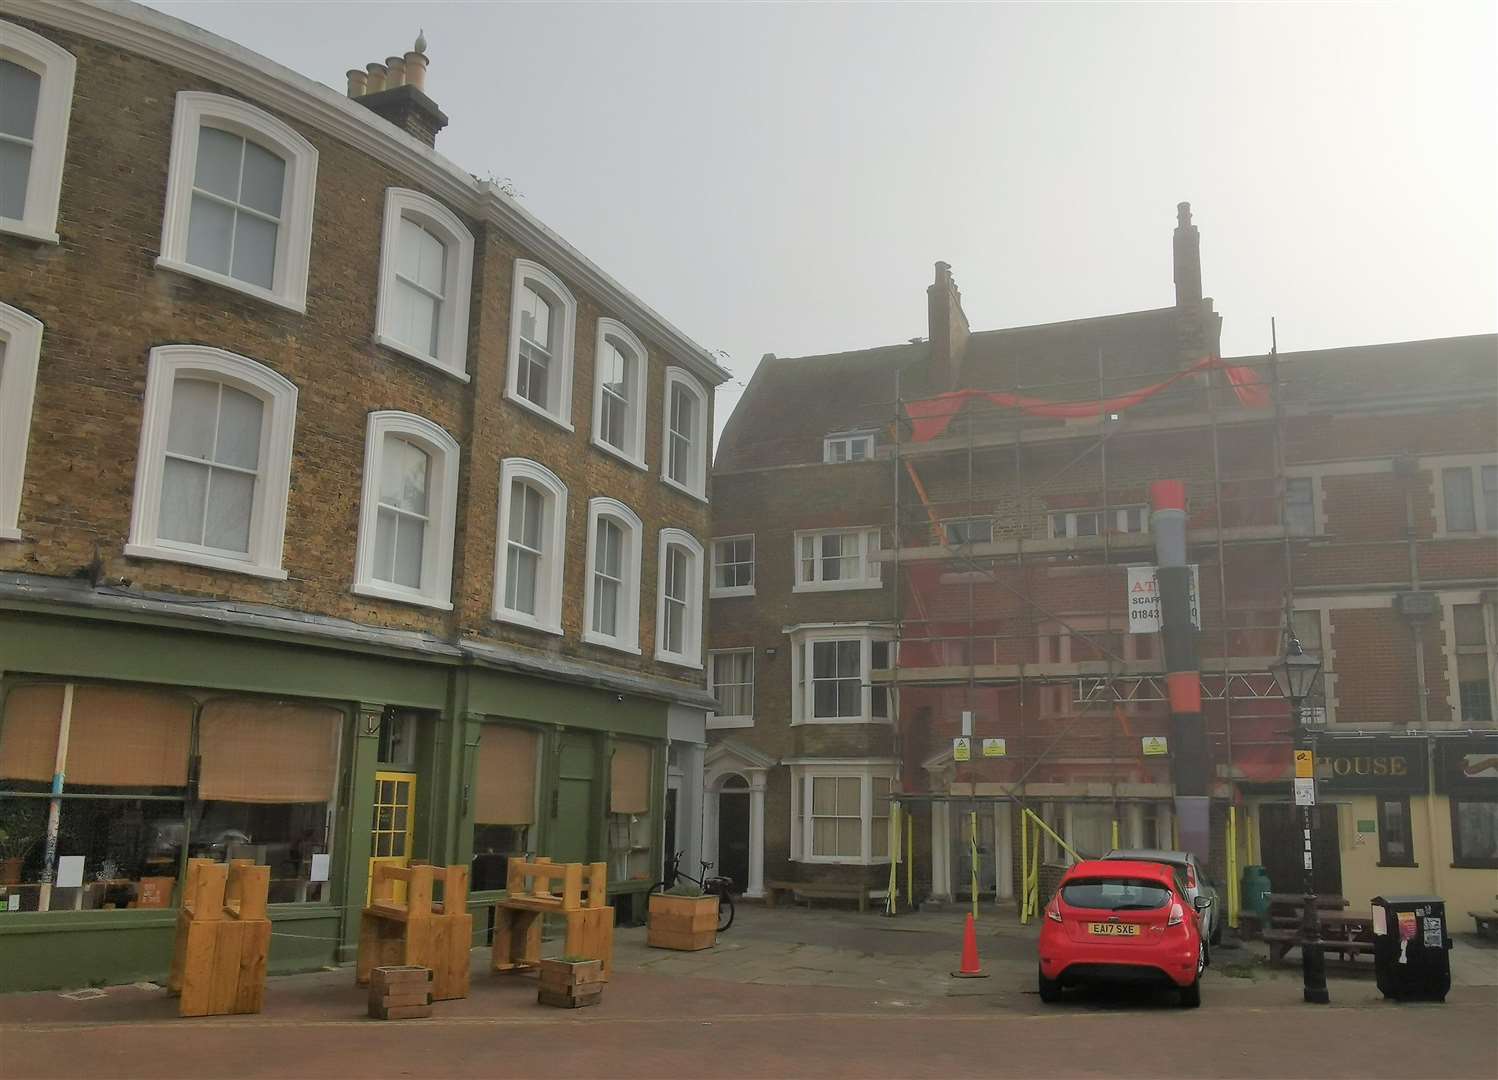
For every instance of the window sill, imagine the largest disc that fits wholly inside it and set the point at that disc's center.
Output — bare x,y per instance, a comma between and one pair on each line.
269,296
729,721
1397,865
851,585
1476,864
430,361
699,496
16,227
610,643
830,860
399,596
839,720
529,622
614,452
10,534
736,590
203,558
531,407
678,659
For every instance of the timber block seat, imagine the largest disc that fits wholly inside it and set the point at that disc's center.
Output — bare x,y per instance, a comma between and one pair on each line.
1487,922
583,905
415,931
807,891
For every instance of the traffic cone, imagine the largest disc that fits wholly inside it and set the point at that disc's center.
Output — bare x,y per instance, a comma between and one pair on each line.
971,969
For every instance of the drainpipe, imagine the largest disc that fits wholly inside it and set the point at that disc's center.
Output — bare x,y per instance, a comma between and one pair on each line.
1408,466
1190,764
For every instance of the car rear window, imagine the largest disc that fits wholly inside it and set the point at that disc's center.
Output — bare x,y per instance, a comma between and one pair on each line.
1116,894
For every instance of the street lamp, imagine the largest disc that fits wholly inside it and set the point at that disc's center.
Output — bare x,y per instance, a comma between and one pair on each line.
1296,674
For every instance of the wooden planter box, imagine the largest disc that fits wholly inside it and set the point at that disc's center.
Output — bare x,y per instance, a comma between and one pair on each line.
687,923
570,984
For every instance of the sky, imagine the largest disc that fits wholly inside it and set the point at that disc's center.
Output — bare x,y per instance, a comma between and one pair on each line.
782,177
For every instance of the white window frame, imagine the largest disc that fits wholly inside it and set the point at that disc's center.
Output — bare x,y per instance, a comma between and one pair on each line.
167,364
196,109
49,142
1464,598
803,696
1473,463
697,480
868,543
564,311
548,616
1118,528
634,450
691,656
22,337
725,720
804,771
847,439
628,638
457,279
946,530
716,591
442,510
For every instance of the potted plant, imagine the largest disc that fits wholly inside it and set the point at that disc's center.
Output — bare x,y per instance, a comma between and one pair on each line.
683,918
21,824
570,982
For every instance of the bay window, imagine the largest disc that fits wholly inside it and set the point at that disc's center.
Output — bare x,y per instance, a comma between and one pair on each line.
426,274
831,671
840,810
36,98
611,605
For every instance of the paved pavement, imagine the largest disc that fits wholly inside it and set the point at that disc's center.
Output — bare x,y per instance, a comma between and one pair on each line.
785,993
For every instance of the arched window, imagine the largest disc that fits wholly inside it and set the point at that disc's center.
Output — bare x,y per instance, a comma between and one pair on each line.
619,392
532,538
684,434
426,275
36,96
239,196
611,606
215,461
678,614
543,319
408,512
20,351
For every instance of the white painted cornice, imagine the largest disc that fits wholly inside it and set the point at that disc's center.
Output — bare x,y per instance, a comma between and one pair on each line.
157,36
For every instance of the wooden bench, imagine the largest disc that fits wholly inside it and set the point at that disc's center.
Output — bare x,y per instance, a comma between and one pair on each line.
1487,923
583,904
809,891
1281,941
223,939
418,932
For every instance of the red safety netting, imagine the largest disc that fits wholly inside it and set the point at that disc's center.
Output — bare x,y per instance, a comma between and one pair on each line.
931,416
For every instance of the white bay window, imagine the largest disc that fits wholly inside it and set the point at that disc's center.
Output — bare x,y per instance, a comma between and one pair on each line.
840,810
832,669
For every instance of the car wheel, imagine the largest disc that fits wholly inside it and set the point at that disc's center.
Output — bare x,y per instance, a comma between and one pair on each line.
1050,989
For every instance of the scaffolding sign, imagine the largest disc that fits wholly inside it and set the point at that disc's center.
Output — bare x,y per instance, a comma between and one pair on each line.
1144,600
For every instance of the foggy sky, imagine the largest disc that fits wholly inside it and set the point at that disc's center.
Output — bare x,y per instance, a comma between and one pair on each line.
780,178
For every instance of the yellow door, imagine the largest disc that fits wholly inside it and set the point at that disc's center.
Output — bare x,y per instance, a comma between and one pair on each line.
390,830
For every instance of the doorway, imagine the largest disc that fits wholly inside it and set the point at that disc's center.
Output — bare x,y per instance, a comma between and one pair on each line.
390,831
572,807
1281,846
962,848
733,831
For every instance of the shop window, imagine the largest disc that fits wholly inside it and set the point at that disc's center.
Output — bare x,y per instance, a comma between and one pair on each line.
20,352
240,188
629,812
36,97
1474,831
619,393
426,273
504,801
1395,841
1474,685
543,320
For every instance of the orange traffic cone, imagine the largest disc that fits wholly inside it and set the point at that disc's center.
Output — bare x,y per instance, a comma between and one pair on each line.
971,969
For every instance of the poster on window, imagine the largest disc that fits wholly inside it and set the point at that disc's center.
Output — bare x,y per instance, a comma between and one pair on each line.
1144,600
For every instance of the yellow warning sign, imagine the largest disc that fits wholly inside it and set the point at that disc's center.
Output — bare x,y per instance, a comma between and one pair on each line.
962,749
1154,746
1305,764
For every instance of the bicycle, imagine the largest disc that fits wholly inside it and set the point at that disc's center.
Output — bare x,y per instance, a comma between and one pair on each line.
721,887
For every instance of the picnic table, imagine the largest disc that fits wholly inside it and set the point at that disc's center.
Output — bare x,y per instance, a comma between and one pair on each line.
1342,932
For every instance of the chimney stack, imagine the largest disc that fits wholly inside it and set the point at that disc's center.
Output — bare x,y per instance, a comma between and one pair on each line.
396,90
947,330
1188,259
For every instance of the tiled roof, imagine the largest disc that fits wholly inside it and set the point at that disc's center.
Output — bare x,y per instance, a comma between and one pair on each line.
1364,373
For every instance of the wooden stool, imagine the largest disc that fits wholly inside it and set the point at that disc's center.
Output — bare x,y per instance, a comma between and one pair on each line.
583,904
223,939
418,932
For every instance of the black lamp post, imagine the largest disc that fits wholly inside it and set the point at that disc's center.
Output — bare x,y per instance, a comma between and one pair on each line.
1296,675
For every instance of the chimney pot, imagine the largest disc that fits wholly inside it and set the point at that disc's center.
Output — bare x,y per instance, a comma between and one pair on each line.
416,67
395,71
947,329
356,82
376,80
1187,245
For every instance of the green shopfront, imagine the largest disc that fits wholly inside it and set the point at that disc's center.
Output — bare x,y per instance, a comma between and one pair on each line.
132,740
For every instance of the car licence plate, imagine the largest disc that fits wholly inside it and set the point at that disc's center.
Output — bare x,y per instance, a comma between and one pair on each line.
1113,929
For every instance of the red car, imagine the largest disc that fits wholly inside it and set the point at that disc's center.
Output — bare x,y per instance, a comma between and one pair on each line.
1121,921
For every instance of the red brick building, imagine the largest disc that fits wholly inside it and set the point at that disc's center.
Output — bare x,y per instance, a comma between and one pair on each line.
880,570
347,512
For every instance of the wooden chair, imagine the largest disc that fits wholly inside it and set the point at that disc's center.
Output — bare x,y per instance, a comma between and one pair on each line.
583,904
223,939
417,931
